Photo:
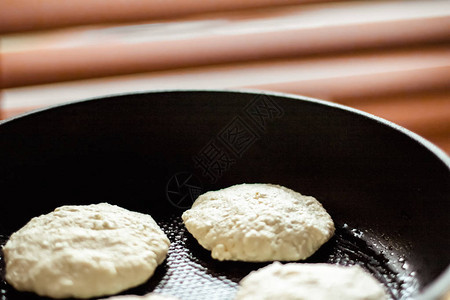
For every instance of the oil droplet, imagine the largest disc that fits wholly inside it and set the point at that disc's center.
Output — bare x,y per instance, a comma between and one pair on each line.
357,233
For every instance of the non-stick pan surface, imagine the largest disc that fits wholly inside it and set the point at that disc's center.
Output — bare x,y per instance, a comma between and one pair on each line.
386,188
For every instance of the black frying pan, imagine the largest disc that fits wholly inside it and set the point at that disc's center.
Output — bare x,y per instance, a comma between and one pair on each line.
386,188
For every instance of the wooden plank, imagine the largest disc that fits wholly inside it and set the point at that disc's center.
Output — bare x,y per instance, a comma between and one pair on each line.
297,32
23,15
331,77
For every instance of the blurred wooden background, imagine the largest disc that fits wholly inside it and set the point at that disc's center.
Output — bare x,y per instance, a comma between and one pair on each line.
388,58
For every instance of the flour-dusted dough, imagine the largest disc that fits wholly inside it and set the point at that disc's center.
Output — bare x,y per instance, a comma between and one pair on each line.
297,281
84,251
151,296
258,222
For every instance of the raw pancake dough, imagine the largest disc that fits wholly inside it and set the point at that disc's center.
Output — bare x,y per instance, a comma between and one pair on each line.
258,222
84,251
297,281
151,296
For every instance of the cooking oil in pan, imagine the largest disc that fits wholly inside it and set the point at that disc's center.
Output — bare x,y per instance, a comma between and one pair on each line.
189,272
349,247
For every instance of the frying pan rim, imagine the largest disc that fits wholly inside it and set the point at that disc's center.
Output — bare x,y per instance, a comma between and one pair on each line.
438,288
434,290
421,140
